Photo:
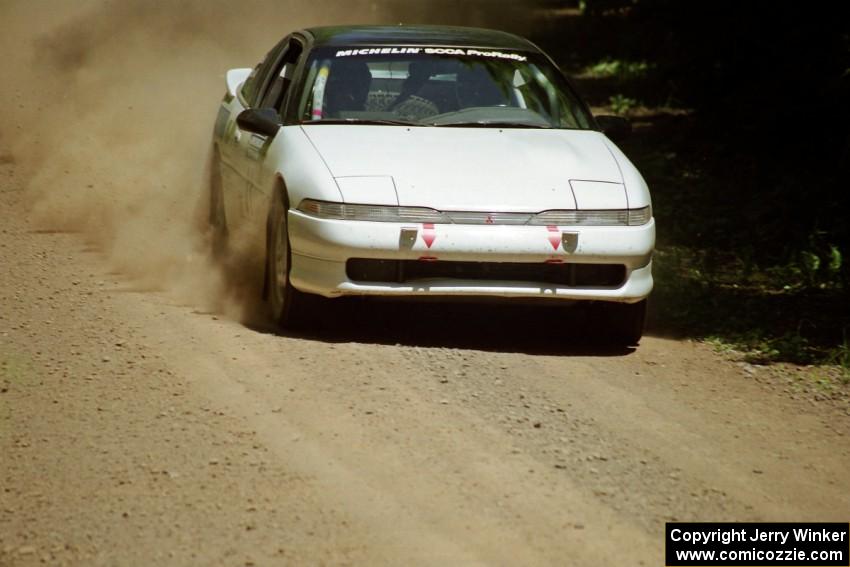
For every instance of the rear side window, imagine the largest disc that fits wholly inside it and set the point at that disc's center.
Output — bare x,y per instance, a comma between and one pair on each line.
249,87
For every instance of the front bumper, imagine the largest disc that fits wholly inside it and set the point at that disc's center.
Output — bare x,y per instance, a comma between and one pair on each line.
321,248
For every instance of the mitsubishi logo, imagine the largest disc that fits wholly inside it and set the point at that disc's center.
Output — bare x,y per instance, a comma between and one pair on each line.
489,219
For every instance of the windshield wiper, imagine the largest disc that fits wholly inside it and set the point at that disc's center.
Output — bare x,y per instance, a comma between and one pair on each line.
389,122
367,121
487,124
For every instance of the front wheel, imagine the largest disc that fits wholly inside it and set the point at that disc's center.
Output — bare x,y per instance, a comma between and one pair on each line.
286,302
623,322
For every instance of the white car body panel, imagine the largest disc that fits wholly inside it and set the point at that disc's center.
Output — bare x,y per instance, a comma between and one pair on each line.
590,195
331,239
372,189
637,192
293,159
329,279
470,169
320,248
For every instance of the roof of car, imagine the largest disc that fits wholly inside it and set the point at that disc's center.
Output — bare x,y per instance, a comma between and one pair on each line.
453,36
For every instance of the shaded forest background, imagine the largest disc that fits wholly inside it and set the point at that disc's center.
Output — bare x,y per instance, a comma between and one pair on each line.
741,115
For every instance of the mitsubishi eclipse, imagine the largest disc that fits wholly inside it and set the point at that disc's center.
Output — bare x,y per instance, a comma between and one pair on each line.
429,161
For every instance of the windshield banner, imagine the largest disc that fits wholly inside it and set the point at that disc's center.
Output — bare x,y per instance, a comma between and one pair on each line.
430,51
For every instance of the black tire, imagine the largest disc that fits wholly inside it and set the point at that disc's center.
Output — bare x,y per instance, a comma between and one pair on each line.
623,322
218,219
287,304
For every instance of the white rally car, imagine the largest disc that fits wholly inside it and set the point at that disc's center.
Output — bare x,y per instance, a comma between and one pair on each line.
429,161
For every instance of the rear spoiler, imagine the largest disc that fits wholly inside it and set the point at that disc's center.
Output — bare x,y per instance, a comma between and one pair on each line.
234,79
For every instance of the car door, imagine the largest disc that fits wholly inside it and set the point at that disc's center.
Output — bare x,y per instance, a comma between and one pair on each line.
274,95
236,146
224,136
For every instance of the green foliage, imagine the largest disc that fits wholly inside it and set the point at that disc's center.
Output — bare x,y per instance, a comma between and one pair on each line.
809,262
840,356
770,315
821,261
835,260
762,349
619,69
621,104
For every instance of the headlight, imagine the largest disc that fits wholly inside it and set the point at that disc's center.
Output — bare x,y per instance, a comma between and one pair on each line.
602,217
378,213
388,213
638,217
613,217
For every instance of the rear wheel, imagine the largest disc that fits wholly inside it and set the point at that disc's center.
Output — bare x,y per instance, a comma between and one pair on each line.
622,323
286,302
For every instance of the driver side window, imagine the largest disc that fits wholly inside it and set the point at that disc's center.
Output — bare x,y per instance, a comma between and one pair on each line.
280,79
252,87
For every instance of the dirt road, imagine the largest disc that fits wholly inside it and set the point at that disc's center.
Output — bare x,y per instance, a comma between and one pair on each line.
148,418
137,430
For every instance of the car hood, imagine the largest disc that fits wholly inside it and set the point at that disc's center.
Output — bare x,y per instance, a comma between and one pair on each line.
474,169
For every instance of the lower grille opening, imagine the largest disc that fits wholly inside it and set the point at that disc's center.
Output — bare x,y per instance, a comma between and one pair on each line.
566,274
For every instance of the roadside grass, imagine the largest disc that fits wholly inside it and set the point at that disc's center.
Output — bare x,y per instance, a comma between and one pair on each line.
750,314
840,357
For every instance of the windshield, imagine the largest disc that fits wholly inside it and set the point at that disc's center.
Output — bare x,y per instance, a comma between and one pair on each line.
438,86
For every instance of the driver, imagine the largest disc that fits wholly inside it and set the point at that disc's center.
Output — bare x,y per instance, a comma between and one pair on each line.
410,104
475,88
418,73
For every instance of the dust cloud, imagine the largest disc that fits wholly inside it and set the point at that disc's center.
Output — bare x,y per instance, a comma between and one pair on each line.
108,111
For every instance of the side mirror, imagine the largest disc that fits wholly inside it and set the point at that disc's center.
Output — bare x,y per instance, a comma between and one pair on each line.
615,127
263,121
